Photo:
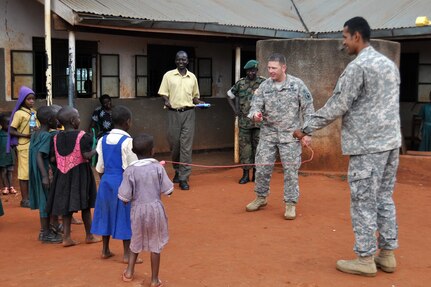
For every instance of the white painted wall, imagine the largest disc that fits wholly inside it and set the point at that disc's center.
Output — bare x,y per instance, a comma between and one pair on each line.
23,19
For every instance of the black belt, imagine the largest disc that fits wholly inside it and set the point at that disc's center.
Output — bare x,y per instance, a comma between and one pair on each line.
183,109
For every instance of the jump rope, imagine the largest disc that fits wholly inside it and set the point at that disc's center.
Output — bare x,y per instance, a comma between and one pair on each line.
163,162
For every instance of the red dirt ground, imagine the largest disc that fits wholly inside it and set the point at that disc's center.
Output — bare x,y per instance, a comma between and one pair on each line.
214,242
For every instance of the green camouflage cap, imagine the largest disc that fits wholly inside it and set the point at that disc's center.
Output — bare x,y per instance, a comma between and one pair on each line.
252,64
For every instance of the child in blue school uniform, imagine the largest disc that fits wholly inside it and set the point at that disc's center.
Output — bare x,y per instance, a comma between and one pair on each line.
111,216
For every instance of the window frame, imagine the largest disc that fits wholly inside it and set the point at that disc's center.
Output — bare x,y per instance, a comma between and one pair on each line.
423,96
14,75
102,76
201,76
141,76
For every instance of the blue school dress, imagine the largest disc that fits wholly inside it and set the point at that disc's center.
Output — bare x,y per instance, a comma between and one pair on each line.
111,215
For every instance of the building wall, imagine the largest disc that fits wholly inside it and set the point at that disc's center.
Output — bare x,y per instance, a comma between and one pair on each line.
409,109
21,20
319,63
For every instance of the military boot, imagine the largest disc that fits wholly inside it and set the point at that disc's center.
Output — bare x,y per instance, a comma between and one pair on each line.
363,266
245,178
386,261
254,175
259,202
290,212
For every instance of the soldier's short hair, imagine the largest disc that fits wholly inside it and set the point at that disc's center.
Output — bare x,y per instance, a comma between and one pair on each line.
360,25
277,57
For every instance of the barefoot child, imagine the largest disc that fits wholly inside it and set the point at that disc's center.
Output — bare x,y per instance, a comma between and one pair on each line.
19,136
55,225
40,144
7,160
111,216
143,182
74,187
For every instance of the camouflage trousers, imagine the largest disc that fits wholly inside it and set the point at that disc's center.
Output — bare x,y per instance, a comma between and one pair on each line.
372,180
290,155
248,141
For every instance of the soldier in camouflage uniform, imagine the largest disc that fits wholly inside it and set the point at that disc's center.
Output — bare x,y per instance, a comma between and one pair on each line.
282,102
243,91
367,98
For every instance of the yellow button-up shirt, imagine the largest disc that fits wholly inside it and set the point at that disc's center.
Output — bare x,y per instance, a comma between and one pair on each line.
179,89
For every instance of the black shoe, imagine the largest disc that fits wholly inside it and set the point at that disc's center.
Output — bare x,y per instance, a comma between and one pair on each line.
245,178
25,203
51,237
184,185
176,179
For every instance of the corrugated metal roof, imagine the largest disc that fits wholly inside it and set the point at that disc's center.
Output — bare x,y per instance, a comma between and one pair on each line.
263,18
330,15
273,14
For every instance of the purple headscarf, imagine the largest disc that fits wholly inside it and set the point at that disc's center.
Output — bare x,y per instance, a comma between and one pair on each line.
23,93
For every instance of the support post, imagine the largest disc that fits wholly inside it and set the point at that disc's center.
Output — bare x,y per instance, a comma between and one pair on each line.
48,52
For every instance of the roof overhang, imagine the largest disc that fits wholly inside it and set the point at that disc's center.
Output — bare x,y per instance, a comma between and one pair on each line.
190,28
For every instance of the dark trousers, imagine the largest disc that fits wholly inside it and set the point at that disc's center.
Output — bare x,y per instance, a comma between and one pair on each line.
181,130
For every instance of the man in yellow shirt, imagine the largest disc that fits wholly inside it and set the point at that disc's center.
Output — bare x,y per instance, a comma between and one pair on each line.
179,89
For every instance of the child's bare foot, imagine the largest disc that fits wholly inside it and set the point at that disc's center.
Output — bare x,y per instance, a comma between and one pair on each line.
127,277
138,260
107,255
69,242
76,221
157,283
92,239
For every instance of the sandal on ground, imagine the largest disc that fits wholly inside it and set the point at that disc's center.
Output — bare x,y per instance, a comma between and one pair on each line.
5,191
12,190
126,279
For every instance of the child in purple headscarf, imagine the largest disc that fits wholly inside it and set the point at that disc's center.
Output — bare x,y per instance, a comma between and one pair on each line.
19,136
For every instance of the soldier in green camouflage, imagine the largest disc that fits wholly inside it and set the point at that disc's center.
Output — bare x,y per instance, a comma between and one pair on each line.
243,92
367,98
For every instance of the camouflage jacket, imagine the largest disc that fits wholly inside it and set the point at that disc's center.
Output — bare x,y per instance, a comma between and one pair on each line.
244,90
367,98
284,109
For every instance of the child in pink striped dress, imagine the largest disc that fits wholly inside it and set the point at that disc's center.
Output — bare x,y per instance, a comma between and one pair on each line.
143,183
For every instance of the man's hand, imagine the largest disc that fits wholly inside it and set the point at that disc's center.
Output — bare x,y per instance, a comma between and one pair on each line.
257,117
298,134
168,104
